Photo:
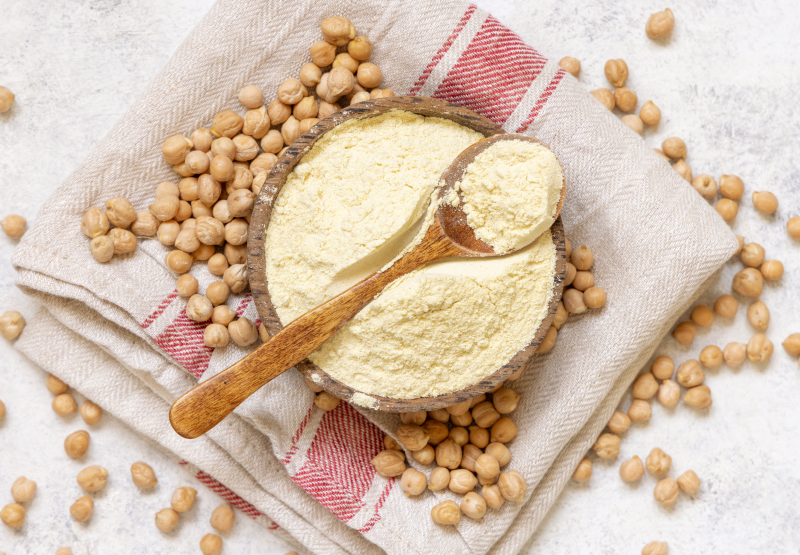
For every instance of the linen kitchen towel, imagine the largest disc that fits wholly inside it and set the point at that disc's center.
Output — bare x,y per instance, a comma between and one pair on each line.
117,332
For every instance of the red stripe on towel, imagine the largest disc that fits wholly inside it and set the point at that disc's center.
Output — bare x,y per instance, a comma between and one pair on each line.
548,92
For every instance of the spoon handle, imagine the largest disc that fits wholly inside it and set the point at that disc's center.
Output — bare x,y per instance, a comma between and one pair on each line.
204,406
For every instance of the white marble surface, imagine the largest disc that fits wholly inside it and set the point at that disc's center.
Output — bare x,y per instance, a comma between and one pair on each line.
727,82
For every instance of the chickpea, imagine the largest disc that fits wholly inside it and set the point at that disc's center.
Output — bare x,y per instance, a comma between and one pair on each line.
251,96
226,124
327,109
711,356
246,148
91,413
663,367
223,146
201,139
196,162
307,124
734,354
505,400
658,462
640,411
583,280
486,466
619,422
337,31
645,386
446,512
475,401
604,97
740,239
412,437
582,258
631,470
583,472
752,255
473,505
389,463
64,405
749,282
649,113
792,344
13,515
485,414
634,122
94,223
426,455
793,227
690,374
683,169
221,168
369,75
256,123
2,410
11,324
236,232
235,255
765,202
607,446
574,301
183,498
413,482
360,48
222,518
462,480
223,314
478,436
759,348
561,316
440,478
82,509
666,492
216,336
689,482
76,444
512,486
758,315
413,417
211,544
123,240
199,308
460,435
625,99
571,66
236,277
23,489
143,475
674,147
437,431
167,519
594,297
726,306
684,333
240,203
325,401
503,431
731,187
660,24
6,99
655,548
178,261
698,397
165,208
243,332
616,72
92,478
702,316
570,273
772,270
706,186
492,496
548,341
175,149
669,393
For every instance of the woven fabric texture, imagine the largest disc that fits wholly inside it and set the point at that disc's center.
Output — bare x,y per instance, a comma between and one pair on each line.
118,333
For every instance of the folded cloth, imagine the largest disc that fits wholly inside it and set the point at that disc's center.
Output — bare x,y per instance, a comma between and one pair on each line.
117,332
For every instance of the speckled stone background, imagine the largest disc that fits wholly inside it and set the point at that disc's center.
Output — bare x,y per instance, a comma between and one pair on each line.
728,82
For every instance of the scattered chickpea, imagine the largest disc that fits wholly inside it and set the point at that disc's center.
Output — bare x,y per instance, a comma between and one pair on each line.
574,301
486,466
583,472
512,486
645,386
123,240
690,374
23,489
765,202
479,437
674,147
211,544
446,512
236,277
426,455
199,308
666,492
655,548
752,255
726,306
216,336
604,97
438,431
793,227
2,410
759,348
649,113
389,463
683,169
634,122
607,446
322,54
92,478
758,315
460,435
251,96
13,226
619,422
548,341
120,212
505,400
76,444
187,285
82,509
201,140
570,65
492,496
417,417
734,354
711,356
64,405
669,393
167,519
740,239
731,187
94,223
485,414
640,411
473,505
360,48
413,482
698,397
689,482
222,518
243,332
13,515
183,498
143,475
369,75
146,225
684,333
561,316
448,454
631,470
325,401
625,99
462,480
179,262
792,344
749,282
6,99
658,462
226,124
175,149
594,297
616,72
660,24
500,452
772,270
54,385
440,479
663,367
412,437
702,316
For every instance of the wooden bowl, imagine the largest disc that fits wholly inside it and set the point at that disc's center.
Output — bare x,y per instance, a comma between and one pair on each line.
262,212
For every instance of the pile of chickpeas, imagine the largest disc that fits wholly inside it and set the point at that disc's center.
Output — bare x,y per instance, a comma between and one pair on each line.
468,443
94,478
206,215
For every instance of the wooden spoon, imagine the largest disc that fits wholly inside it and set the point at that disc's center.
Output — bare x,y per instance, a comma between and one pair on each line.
204,406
